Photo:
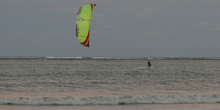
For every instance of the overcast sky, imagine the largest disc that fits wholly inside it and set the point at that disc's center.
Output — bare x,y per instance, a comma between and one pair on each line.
119,28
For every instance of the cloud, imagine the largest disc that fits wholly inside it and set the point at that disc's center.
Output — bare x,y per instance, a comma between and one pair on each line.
147,12
213,26
68,10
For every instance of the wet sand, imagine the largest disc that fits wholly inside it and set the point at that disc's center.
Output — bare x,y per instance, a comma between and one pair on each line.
118,107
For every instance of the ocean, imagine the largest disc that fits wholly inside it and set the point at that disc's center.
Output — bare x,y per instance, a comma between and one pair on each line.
102,83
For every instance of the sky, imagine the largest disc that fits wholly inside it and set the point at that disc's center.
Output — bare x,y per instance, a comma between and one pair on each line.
119,28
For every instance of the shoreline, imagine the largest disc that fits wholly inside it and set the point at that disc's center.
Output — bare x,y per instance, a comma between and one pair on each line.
119,107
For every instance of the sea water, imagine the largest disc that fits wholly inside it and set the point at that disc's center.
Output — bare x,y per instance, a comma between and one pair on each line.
109,83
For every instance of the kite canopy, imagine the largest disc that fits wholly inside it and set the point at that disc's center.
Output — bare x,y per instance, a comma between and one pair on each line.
83,21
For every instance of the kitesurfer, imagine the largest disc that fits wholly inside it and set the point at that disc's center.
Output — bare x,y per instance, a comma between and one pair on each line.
149,64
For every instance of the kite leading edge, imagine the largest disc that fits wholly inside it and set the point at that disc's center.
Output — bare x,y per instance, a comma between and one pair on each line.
83,21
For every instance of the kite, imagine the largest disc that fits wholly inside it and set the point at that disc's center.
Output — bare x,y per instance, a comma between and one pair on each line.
83,21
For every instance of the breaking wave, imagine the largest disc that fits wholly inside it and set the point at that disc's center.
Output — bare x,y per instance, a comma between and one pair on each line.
109,58
113,100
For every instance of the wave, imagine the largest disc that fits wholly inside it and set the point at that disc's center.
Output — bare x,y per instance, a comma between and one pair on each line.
108,58
114,100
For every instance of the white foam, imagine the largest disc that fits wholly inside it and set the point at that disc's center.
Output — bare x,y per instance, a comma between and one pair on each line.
63,57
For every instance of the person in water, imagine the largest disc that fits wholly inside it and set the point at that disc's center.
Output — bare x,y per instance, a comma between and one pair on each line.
149,64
